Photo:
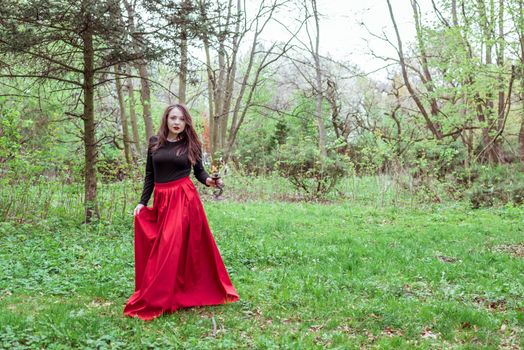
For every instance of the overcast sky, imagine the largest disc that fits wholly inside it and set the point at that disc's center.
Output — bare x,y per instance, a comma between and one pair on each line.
344,38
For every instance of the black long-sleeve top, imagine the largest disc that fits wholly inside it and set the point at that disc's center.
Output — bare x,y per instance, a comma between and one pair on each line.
164,166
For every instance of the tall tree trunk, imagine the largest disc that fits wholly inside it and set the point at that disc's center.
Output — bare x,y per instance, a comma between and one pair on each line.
132,114
429,123
491,156
318,76
454,17
141,65
501,95
211,84
487,116
500,63
520,25
222,81
230,81
219,97
427,77
249,82
238,117
91,205
521,132
123,116
145,98
224,71
182,76
216,120
466,135
210,97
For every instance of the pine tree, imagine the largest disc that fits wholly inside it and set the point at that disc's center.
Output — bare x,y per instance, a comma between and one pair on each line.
72,42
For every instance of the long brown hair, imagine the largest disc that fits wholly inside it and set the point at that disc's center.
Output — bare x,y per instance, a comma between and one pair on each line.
190,141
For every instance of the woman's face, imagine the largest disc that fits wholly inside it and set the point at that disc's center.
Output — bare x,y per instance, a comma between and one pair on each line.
176,122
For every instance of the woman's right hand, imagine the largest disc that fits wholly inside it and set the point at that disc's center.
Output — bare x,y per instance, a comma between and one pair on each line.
137,209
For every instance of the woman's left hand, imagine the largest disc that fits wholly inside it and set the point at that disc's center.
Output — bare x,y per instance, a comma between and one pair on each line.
215,183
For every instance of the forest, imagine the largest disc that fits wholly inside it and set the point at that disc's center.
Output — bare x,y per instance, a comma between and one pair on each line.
363,207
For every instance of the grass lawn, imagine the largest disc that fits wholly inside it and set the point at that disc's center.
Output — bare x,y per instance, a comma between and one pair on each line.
309,276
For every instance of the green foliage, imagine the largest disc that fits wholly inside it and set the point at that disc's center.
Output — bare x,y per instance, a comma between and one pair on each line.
497,186
371,154
308,172
436,159
112,166
290,147
19,161
32,145
255,154
10,136
261,132
279,135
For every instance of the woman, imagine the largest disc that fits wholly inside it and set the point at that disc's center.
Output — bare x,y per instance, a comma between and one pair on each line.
177,263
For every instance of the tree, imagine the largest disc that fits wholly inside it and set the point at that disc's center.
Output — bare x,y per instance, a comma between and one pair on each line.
140,44
434,110
72,42
123,116
314,50
231,91
451,84
516,10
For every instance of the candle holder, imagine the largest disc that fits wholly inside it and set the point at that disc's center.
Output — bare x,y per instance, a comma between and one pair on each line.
215,175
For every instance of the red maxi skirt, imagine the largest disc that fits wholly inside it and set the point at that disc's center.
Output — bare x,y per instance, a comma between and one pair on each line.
177,262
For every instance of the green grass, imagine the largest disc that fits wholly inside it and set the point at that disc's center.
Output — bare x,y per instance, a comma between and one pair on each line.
40,199
309,276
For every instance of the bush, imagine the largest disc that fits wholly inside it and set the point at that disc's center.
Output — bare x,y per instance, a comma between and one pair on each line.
308,174
112,166
497,185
